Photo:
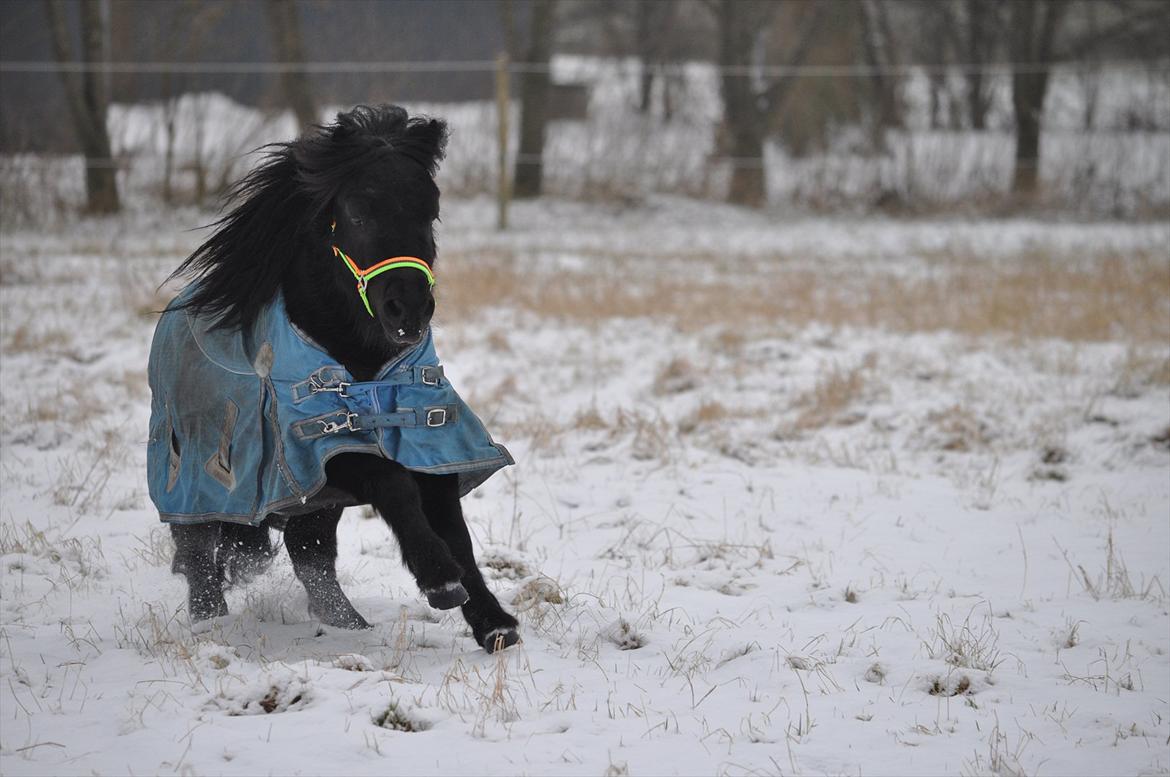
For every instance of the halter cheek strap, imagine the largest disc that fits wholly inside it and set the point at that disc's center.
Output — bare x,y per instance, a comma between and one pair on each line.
364,276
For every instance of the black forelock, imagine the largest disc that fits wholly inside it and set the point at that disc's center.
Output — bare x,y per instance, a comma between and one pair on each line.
360,140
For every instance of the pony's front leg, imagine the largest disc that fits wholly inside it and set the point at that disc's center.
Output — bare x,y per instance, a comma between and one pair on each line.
195,559
394,494
311,541
492,627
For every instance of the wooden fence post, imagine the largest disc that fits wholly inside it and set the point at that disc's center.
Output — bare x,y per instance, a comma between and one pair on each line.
503,190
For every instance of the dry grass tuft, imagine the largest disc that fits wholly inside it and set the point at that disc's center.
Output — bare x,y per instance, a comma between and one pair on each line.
1140,370
958,429
708,412
970,644
25,338
675,377
497,340
1114,581
827,402
654,437
589,419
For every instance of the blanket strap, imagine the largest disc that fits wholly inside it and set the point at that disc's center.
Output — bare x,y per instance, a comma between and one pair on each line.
329,380
432,416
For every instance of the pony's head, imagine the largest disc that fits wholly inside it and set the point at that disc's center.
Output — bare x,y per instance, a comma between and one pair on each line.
342,219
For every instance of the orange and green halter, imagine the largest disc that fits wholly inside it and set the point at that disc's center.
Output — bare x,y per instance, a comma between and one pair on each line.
393,263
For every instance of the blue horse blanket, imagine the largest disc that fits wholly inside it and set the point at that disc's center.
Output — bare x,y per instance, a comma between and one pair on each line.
243,421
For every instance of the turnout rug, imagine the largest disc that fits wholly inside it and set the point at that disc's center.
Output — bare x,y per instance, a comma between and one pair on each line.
244,420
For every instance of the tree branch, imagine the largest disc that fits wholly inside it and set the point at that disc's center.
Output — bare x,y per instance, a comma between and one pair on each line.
777,92
1083,45
71,80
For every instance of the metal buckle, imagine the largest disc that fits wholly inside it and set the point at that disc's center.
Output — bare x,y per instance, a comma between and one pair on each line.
329,427
436,416
430,371
316,387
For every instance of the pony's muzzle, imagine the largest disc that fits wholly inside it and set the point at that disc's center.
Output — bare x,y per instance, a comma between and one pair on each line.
403,308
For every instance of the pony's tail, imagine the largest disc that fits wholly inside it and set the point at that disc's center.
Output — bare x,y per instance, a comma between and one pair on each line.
242,552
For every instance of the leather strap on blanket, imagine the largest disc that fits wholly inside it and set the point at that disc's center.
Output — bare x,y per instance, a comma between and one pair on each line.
342,421
329,379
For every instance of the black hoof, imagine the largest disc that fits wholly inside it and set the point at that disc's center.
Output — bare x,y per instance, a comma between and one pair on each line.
448,597
498,639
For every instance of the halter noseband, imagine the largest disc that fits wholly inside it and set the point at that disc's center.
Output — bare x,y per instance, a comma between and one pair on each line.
363,276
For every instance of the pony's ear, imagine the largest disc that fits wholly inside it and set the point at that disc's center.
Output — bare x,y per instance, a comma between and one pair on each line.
426,140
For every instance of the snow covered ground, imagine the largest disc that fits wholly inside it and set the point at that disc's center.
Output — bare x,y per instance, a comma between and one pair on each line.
791,497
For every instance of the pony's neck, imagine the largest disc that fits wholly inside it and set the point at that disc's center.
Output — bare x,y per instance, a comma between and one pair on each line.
318,307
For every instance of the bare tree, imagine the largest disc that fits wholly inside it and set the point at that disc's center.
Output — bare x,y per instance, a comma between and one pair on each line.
528,179
1037,44
181,38
878,46
983,26
88,100
285,28
651,42
1033,39
751,101
656,34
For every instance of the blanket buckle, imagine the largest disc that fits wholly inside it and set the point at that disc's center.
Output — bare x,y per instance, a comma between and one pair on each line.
316,386
330,427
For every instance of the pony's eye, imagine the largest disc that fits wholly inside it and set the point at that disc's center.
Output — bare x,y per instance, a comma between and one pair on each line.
357,221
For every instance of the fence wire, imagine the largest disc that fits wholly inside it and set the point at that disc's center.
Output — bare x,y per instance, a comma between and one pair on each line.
483,66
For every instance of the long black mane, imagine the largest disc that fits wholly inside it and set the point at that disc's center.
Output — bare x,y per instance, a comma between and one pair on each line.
283,207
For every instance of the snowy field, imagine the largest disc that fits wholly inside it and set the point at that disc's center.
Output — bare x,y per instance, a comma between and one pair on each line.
791,497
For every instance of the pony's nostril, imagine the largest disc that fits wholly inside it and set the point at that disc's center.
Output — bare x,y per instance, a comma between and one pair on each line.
393,309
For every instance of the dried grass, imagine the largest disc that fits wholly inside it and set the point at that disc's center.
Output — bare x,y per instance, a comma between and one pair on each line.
832,395
1085,298
27,338
958,429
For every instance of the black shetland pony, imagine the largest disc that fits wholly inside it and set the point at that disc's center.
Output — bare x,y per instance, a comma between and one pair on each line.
372,175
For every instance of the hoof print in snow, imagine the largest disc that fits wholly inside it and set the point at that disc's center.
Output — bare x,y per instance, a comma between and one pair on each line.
950,686
353,662
263,696
539,590
502,563
397,718
622,634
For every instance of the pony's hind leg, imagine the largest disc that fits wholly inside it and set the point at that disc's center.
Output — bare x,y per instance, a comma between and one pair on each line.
242,552
491,626
311,541
195,559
